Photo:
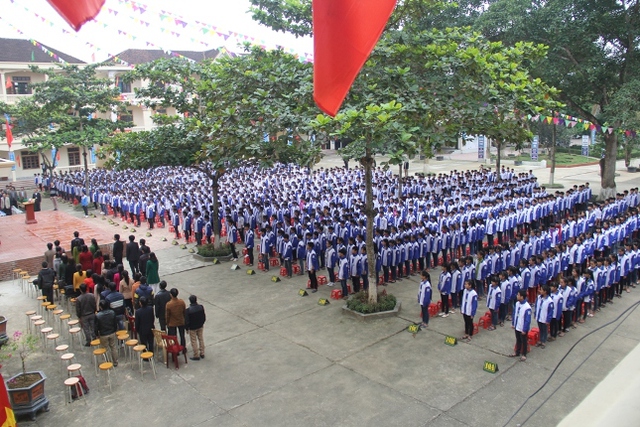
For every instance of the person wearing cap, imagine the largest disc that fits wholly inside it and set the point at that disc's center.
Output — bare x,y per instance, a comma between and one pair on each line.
195,318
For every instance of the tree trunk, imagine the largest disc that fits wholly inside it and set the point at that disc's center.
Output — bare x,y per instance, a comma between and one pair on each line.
399,180
215,189
367,162
86,170
498,158
608,166
553,156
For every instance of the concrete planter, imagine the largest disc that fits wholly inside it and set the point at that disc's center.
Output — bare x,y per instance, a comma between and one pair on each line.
211,258
372,316
632,169
28,400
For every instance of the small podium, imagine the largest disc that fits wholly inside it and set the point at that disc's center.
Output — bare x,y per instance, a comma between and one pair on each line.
31,214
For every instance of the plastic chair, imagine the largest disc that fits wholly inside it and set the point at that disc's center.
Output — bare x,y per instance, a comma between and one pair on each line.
159,343
171,346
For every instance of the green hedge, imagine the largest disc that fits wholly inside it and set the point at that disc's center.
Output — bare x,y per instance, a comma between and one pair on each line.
360,303
211,250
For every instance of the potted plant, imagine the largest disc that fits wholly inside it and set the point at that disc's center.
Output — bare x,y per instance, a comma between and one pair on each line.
26,389
208,252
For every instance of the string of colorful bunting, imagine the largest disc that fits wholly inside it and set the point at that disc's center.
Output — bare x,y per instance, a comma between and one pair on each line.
35,42
200,27
561,119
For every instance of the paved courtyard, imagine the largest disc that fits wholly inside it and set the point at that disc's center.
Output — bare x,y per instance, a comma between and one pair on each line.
275,358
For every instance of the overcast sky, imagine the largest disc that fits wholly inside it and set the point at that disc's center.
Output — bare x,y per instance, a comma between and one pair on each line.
108,36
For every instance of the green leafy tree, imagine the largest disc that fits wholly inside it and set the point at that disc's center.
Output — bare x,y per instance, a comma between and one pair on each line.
373,130
593,53
71,101
253,108
625,109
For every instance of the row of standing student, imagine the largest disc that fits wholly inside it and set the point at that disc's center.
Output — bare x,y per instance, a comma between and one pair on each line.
561,302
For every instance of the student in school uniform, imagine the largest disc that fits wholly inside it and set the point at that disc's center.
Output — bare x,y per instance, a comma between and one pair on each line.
569,295
312,267
494,296
343,272
364,268
331,258
544,313
287,255
265,249
444,286
468,307
505,290
558,304
456,286
521,323
424,297
248,242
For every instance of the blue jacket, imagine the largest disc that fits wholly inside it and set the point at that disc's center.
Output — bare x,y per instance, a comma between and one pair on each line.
522,317
424,294
469,303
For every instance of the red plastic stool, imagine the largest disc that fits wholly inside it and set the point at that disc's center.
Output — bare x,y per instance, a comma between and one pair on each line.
349,288
245,251
336,294
381,281
439,305
487,322
309,284
433,309
481,322
322,280
533,337
261,265
475,329
245,260
283,271
528,347
296,269
274,262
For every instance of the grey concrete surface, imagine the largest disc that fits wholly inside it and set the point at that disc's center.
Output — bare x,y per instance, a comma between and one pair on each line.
274,358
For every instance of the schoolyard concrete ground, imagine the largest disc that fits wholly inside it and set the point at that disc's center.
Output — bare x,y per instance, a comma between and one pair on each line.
274,358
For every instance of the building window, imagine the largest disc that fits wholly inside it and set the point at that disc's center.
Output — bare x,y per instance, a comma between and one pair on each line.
126,117
74,156
30,160
160,111
124,86
21,85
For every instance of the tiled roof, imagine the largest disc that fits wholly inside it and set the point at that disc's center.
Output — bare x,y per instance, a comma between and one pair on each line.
20,50
141,56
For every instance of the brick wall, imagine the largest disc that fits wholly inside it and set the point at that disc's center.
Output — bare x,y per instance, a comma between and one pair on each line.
33,265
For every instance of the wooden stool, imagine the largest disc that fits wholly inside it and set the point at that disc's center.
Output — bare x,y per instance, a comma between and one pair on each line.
147,355
53,337
38,324
29,314
97,353
16,274
74,333
56,292
129,345
71,383
122,338
62,318
74,369
107,367
75,323
139,349
50,309
67,359
45,331
56,315
25,283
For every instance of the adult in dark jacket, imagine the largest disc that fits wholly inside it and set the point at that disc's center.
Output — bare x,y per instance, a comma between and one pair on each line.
86,312
106,327
118,249
161,299
194,323
133,254
116,303
142,261
145,322
45,280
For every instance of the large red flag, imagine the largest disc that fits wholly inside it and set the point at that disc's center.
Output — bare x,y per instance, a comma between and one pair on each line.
77,12
344,34
7,419
9,134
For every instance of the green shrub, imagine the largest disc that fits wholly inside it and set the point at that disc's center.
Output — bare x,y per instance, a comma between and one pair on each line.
360,303
211,250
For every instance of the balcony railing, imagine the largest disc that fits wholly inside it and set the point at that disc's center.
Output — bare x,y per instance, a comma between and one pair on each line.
13,99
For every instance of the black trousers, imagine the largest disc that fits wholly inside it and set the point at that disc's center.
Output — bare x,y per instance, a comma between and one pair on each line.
445,303
468,325
171,330
521,343
355,283
313,279
425,313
